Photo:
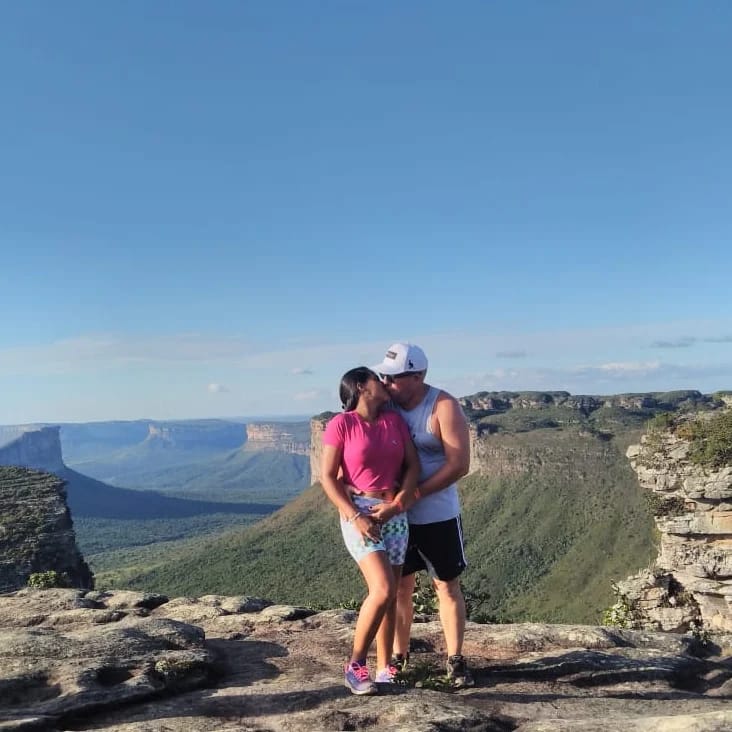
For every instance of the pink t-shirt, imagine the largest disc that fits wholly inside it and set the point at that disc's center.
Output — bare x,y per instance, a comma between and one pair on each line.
373,452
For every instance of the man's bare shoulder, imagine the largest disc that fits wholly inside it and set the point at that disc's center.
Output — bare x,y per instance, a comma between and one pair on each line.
445,398
448,407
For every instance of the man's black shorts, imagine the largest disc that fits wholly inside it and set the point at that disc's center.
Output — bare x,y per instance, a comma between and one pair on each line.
436,547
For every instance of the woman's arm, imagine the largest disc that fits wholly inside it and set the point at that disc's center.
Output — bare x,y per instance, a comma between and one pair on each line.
333,486
407,497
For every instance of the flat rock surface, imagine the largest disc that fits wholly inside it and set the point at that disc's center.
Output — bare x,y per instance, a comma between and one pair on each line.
140,663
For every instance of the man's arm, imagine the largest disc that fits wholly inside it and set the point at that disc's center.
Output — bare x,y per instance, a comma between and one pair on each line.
452,427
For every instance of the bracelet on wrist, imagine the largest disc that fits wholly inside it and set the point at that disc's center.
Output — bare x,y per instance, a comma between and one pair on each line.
354,517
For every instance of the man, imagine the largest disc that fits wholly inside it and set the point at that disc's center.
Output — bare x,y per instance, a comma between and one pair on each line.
440,432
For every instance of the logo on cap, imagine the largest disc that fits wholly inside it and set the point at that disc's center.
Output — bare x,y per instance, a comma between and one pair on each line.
391,354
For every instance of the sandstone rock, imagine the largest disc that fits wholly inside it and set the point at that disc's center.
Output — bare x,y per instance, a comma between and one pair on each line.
236,604
695,523
127,599
277,613
36,532
710,722
148,674
192,610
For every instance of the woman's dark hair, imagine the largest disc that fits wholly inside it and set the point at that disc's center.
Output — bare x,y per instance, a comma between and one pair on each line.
350,382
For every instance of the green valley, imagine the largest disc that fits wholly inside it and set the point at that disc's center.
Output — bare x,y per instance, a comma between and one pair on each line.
551,519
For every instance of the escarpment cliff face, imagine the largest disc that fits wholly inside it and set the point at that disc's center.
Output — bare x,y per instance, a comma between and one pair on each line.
501,401
286,437
317,425
691,581
10,433
499,458
36,532
33,447
197,434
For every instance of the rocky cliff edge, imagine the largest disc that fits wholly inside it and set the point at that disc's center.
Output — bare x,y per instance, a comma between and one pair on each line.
133,662
686,467
36,531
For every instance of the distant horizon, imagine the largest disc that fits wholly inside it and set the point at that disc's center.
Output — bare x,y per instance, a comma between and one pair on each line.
235,420
306,417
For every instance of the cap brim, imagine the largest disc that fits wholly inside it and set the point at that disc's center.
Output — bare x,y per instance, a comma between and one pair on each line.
389,369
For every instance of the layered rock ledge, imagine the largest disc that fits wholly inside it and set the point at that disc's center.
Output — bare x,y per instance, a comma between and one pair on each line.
690,584
126,661
36,531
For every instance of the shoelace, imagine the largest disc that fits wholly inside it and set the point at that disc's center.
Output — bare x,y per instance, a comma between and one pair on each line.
392,670
360,672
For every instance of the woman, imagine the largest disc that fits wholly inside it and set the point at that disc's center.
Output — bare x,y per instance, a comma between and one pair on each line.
367,454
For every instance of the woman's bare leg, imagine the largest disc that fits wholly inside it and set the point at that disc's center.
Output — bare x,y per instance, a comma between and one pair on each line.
379,578
404,612
385,634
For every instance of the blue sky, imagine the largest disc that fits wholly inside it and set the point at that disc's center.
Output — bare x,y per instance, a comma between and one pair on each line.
215,209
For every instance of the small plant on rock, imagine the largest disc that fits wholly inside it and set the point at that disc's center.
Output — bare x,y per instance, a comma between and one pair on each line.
699,632
47,580
423,675
621,614
350,604
672,506
424,597
660,422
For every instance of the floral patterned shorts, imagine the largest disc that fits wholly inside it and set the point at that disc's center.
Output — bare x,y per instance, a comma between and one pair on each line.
394,534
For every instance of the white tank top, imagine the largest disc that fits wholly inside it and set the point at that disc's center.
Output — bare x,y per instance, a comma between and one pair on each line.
444,504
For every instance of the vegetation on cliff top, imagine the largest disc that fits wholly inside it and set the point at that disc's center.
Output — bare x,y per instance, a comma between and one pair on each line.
711,439
709,435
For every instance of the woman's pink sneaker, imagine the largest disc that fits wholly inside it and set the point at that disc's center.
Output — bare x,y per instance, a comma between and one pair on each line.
357,679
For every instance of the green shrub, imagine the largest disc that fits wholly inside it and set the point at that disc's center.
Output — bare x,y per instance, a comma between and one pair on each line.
672,506
424,597
621,614
660,422
711,440
424,675
46,580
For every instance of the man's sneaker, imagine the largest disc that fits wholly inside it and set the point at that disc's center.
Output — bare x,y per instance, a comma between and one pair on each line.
386,675
357,679
400,660
458,672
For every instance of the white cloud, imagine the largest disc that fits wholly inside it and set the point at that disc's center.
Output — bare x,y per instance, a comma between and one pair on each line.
628,367
217,389
331,358
687,341
113,351
603,378
683,342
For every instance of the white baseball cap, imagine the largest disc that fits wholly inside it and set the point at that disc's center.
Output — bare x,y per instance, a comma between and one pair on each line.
401,358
